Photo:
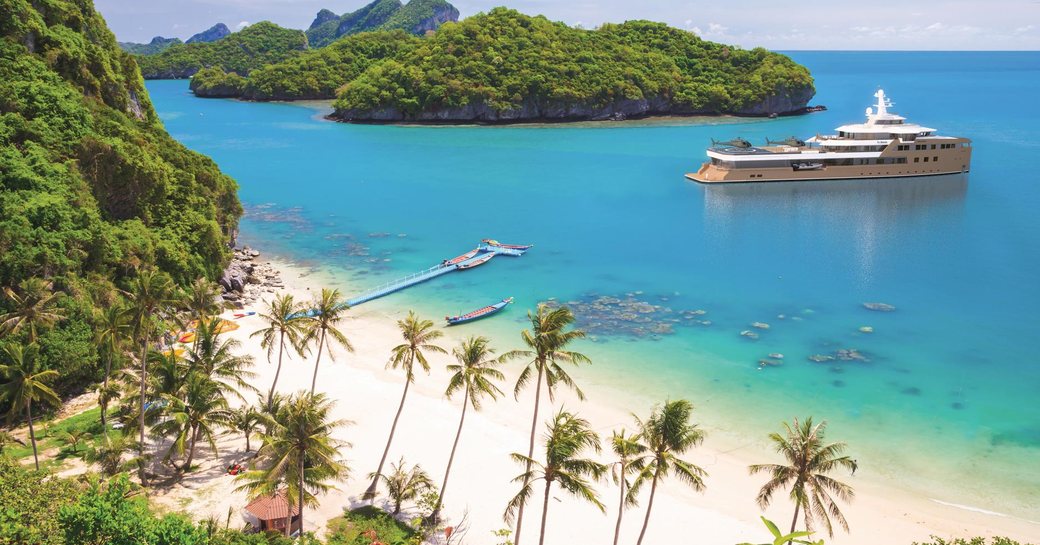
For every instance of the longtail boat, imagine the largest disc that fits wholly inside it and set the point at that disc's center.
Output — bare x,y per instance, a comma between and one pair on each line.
493,242
474,262
456,260
479,313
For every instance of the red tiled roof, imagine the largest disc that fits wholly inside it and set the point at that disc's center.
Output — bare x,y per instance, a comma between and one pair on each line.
271,507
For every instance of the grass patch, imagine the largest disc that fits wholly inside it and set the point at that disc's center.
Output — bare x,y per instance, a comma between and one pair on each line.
358,526
53,434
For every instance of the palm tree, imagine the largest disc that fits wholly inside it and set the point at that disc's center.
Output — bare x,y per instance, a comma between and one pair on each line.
404,484
112,325
150,291
201,299
245,419
282,317
668,434
418,338
475,374
630,455
565,440
109,455
74,437
6,438
546,341
197,415
809,459
32,308
23,383
299,452
328,310
217,360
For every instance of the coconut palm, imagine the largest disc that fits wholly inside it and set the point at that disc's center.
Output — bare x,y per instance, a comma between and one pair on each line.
111,331
245,419
668,434
168,373
150,292
475,375
283,323
547,341
809,458
216,359
109,456
418,339
197,415
328,310
403,484
298,452
201,299
567,437
25,382
630,454
74,437
33,308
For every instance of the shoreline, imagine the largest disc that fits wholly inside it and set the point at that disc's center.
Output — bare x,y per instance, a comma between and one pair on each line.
724,513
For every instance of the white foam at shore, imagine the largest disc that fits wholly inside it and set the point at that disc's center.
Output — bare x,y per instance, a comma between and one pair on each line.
970,508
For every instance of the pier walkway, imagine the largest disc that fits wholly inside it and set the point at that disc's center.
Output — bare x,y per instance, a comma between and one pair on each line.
431,273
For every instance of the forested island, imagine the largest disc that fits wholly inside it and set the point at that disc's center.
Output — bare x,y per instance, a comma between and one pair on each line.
504,66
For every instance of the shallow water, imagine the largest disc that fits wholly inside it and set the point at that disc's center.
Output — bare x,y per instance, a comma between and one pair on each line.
947,403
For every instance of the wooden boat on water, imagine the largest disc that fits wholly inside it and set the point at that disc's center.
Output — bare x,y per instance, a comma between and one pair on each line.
474,262
479,313
493,242
456,260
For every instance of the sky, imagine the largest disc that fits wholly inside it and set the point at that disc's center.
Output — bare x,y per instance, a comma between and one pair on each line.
773,24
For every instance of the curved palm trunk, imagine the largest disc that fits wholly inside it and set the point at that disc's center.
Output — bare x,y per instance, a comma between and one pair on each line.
530,452
794,520
300,499
545,511
104,392
247,441
371,492
278,371
140,422
621,505
649,506
436,514
191,449
321,343
32,434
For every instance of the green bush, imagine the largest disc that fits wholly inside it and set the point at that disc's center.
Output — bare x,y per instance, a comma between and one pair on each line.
241,52
356,528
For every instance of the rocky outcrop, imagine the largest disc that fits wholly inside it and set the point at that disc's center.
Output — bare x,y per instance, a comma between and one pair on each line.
441,15
212,34
157,45
246,279
787,101
323,17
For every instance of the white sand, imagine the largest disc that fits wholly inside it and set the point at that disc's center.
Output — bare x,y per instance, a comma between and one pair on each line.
368,394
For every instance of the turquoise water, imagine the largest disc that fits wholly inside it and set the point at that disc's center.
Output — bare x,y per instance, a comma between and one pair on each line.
947,405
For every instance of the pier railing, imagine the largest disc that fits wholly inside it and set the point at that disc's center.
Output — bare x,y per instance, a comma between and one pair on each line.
401,283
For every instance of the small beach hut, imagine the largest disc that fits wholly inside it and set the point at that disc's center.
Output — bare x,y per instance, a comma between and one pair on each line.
269,514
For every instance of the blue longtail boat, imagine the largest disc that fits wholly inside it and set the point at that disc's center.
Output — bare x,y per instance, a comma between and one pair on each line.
479,313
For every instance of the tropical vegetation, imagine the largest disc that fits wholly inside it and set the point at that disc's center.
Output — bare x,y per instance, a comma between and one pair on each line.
415,17
808,460
241,52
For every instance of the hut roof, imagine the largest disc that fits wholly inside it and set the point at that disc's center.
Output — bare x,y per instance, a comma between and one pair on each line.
272,507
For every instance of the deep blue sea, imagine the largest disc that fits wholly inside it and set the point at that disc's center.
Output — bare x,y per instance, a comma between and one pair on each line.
948,404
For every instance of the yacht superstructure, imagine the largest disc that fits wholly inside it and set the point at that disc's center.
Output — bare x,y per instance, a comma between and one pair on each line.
884,146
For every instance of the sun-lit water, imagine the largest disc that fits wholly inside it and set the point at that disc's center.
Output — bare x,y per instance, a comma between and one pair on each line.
946,406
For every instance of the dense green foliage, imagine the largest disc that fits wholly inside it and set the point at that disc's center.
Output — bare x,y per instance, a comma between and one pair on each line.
241,52
319,73
504,60
92,188
369,17
31,500
157,45
358,527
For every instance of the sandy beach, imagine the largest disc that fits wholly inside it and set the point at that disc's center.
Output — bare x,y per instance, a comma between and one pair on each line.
367,394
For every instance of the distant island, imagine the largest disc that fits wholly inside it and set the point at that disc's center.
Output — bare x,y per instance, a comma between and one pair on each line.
160,44
504,66
267,43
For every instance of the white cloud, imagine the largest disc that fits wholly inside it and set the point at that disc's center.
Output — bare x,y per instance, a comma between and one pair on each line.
241,25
